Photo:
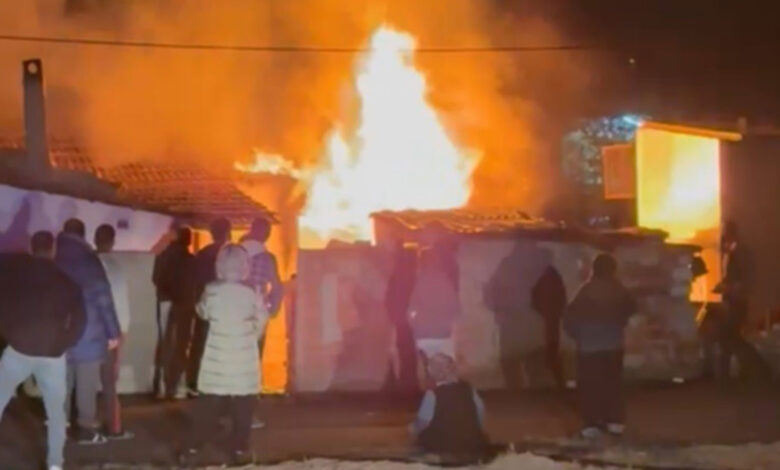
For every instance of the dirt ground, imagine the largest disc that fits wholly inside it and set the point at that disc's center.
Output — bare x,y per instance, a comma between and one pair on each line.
661,421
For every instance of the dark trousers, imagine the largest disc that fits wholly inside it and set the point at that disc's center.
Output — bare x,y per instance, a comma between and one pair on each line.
109,375
200,332
552,349
208,409
731,340
178,338
751,363
599,377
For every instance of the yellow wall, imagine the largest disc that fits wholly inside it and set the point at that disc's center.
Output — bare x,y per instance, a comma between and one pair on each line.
678,182
678,191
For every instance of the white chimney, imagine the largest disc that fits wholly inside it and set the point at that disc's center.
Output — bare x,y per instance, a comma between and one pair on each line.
35,137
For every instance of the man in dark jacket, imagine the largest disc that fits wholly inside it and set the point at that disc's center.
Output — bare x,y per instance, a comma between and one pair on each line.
735,288
205,272
77,259
595,320
174,277
41,317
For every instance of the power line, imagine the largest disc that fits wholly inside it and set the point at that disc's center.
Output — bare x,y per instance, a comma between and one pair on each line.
289,49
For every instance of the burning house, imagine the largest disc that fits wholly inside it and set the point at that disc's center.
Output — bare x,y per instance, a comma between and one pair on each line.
45,181
399,156
396,156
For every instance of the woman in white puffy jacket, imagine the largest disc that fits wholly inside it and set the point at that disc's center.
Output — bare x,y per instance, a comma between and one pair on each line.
229,378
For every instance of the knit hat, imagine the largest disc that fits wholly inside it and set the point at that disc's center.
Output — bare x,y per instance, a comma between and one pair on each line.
232,263
442,368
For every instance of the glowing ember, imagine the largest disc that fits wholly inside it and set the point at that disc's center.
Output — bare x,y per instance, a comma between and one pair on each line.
399,158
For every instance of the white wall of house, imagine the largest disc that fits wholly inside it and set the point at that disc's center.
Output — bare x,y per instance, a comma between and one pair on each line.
137,354
23,212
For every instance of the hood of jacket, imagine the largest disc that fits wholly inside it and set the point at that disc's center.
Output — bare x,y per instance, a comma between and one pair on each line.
253,247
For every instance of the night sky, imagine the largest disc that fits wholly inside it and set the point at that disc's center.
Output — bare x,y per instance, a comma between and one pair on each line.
701,60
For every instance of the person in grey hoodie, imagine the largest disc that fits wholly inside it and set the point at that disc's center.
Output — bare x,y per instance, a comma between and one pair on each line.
595,320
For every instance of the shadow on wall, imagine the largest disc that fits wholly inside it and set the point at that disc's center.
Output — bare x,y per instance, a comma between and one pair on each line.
508,295
15,237
30,217
364,335
364,356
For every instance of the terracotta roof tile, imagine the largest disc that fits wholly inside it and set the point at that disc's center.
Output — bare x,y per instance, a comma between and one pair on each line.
513,223
189,191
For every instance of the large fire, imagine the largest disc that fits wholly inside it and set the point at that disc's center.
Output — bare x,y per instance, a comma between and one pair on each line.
399,157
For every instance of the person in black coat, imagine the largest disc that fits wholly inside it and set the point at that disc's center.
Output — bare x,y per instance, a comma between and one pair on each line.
42,316
205,273
174,278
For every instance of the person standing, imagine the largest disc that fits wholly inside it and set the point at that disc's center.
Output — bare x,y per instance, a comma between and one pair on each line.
105,237
205,273
264,269
41,317
174,277
230,374
595,320
735,288
102,332
263,277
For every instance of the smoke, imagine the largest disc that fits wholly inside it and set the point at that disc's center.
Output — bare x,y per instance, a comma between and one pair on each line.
213,108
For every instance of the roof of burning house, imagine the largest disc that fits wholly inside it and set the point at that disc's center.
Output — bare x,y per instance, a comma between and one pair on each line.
506,223
185,191
466,221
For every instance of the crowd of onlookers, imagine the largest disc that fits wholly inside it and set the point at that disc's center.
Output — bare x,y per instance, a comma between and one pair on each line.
64,311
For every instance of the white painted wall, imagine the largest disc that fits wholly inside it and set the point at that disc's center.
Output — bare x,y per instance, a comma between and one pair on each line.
23,212
137,353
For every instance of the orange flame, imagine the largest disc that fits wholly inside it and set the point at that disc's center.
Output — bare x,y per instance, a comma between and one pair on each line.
400,156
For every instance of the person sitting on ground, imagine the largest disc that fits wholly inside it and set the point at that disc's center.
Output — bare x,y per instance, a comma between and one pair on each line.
230,374
595,320
41,316
451,415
